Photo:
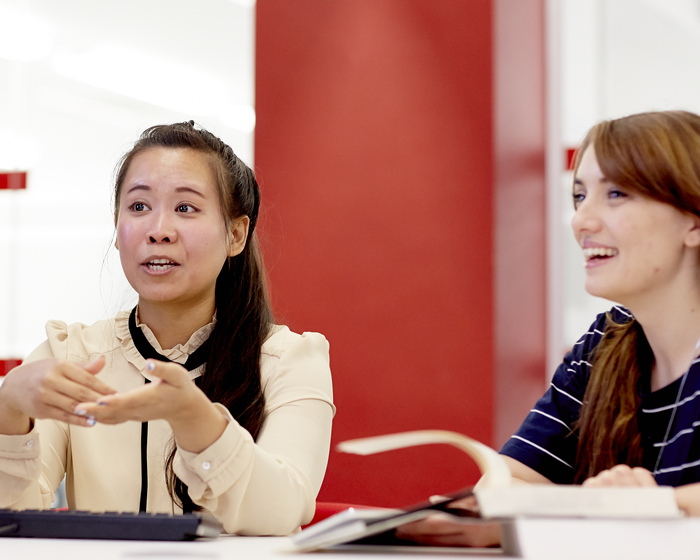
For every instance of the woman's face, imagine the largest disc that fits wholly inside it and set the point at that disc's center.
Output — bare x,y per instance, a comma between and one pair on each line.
634,247
171,235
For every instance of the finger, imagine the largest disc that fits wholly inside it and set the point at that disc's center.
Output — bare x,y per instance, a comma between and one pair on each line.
450,534
60,414
81,376
67,389
95,365
434,524
169,372
469,503
644,476
137,404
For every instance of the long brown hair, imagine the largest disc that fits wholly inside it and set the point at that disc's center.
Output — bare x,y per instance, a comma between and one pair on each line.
657,155
243,313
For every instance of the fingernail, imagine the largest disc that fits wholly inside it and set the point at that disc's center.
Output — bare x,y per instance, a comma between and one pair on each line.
101,403
150,366
80,412
91,421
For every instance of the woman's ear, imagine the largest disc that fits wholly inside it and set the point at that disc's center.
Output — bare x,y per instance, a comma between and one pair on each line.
692,237
238,235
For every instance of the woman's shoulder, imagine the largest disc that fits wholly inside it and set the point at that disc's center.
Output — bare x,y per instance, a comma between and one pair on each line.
590,339
295,366
79,341
282,340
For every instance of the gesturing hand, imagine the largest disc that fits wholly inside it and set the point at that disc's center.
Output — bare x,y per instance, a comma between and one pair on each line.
171,396
49,388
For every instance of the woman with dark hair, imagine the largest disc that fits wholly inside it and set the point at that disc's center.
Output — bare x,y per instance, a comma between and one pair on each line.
193,400
624,406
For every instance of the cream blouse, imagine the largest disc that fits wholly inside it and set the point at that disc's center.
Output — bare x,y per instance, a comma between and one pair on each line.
266,487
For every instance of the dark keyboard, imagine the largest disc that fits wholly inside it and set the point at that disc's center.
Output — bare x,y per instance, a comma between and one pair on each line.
55,524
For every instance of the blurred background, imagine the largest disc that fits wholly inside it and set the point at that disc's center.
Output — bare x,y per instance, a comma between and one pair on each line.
413,160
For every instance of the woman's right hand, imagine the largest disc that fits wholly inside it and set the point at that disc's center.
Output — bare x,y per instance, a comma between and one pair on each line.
440,529
49,388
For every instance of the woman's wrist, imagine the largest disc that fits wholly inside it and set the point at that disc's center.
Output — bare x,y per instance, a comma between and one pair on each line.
12,420
198,427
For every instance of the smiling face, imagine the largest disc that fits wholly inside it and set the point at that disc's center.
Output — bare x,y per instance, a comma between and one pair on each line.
171,234
634,246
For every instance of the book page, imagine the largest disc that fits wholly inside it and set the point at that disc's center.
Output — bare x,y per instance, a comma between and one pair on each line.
491,464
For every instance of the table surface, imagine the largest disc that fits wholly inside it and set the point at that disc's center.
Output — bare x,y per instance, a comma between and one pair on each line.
226,547
538,539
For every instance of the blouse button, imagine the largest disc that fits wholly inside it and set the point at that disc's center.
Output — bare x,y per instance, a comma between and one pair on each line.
206,465
30,443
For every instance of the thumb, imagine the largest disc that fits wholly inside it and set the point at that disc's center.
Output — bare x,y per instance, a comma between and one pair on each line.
95,365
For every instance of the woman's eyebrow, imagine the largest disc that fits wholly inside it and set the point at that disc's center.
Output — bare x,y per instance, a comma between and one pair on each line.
190,190
143,187
139,187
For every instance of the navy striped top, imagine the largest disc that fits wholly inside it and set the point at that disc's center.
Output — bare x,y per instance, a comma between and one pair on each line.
546,443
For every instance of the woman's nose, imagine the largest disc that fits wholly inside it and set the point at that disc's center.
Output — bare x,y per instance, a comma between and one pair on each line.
161,230
586,218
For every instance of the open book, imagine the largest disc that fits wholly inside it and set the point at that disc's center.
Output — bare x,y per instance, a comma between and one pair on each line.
496,497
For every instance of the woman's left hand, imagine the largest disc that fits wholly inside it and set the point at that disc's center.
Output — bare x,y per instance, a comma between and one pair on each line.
171,396
622,475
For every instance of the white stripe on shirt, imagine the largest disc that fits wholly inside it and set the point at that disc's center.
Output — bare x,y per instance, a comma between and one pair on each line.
565,393
679,434
670,406
551,417
543,450
677,467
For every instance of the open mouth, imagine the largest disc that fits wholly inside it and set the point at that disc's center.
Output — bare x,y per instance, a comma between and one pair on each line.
599,253
159,265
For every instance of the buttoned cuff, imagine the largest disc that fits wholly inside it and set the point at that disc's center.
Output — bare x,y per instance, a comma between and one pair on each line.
211,472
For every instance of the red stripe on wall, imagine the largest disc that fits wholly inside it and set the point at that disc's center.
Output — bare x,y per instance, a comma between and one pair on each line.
7,365
13,180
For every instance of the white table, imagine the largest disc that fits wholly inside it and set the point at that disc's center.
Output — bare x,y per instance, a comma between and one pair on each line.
222,548
541,539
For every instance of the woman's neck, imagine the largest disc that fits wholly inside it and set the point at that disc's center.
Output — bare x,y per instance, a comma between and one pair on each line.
673,331
173,325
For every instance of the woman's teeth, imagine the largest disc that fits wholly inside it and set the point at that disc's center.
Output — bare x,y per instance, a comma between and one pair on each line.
594,252
160,264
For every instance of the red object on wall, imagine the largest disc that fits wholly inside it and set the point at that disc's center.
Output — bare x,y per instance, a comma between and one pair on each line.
13,180
570,158
7,365
375,153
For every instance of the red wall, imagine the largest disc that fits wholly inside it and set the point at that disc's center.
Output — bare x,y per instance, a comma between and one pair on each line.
374,149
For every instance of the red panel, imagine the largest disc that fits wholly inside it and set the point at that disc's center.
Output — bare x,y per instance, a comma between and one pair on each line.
7,365
13,180
520,219
374,152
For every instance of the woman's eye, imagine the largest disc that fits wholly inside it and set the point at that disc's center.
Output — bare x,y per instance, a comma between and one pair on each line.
578,199
138,207
615,193
185,208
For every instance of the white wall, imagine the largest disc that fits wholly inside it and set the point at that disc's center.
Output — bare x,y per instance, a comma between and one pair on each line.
67,122
72,100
